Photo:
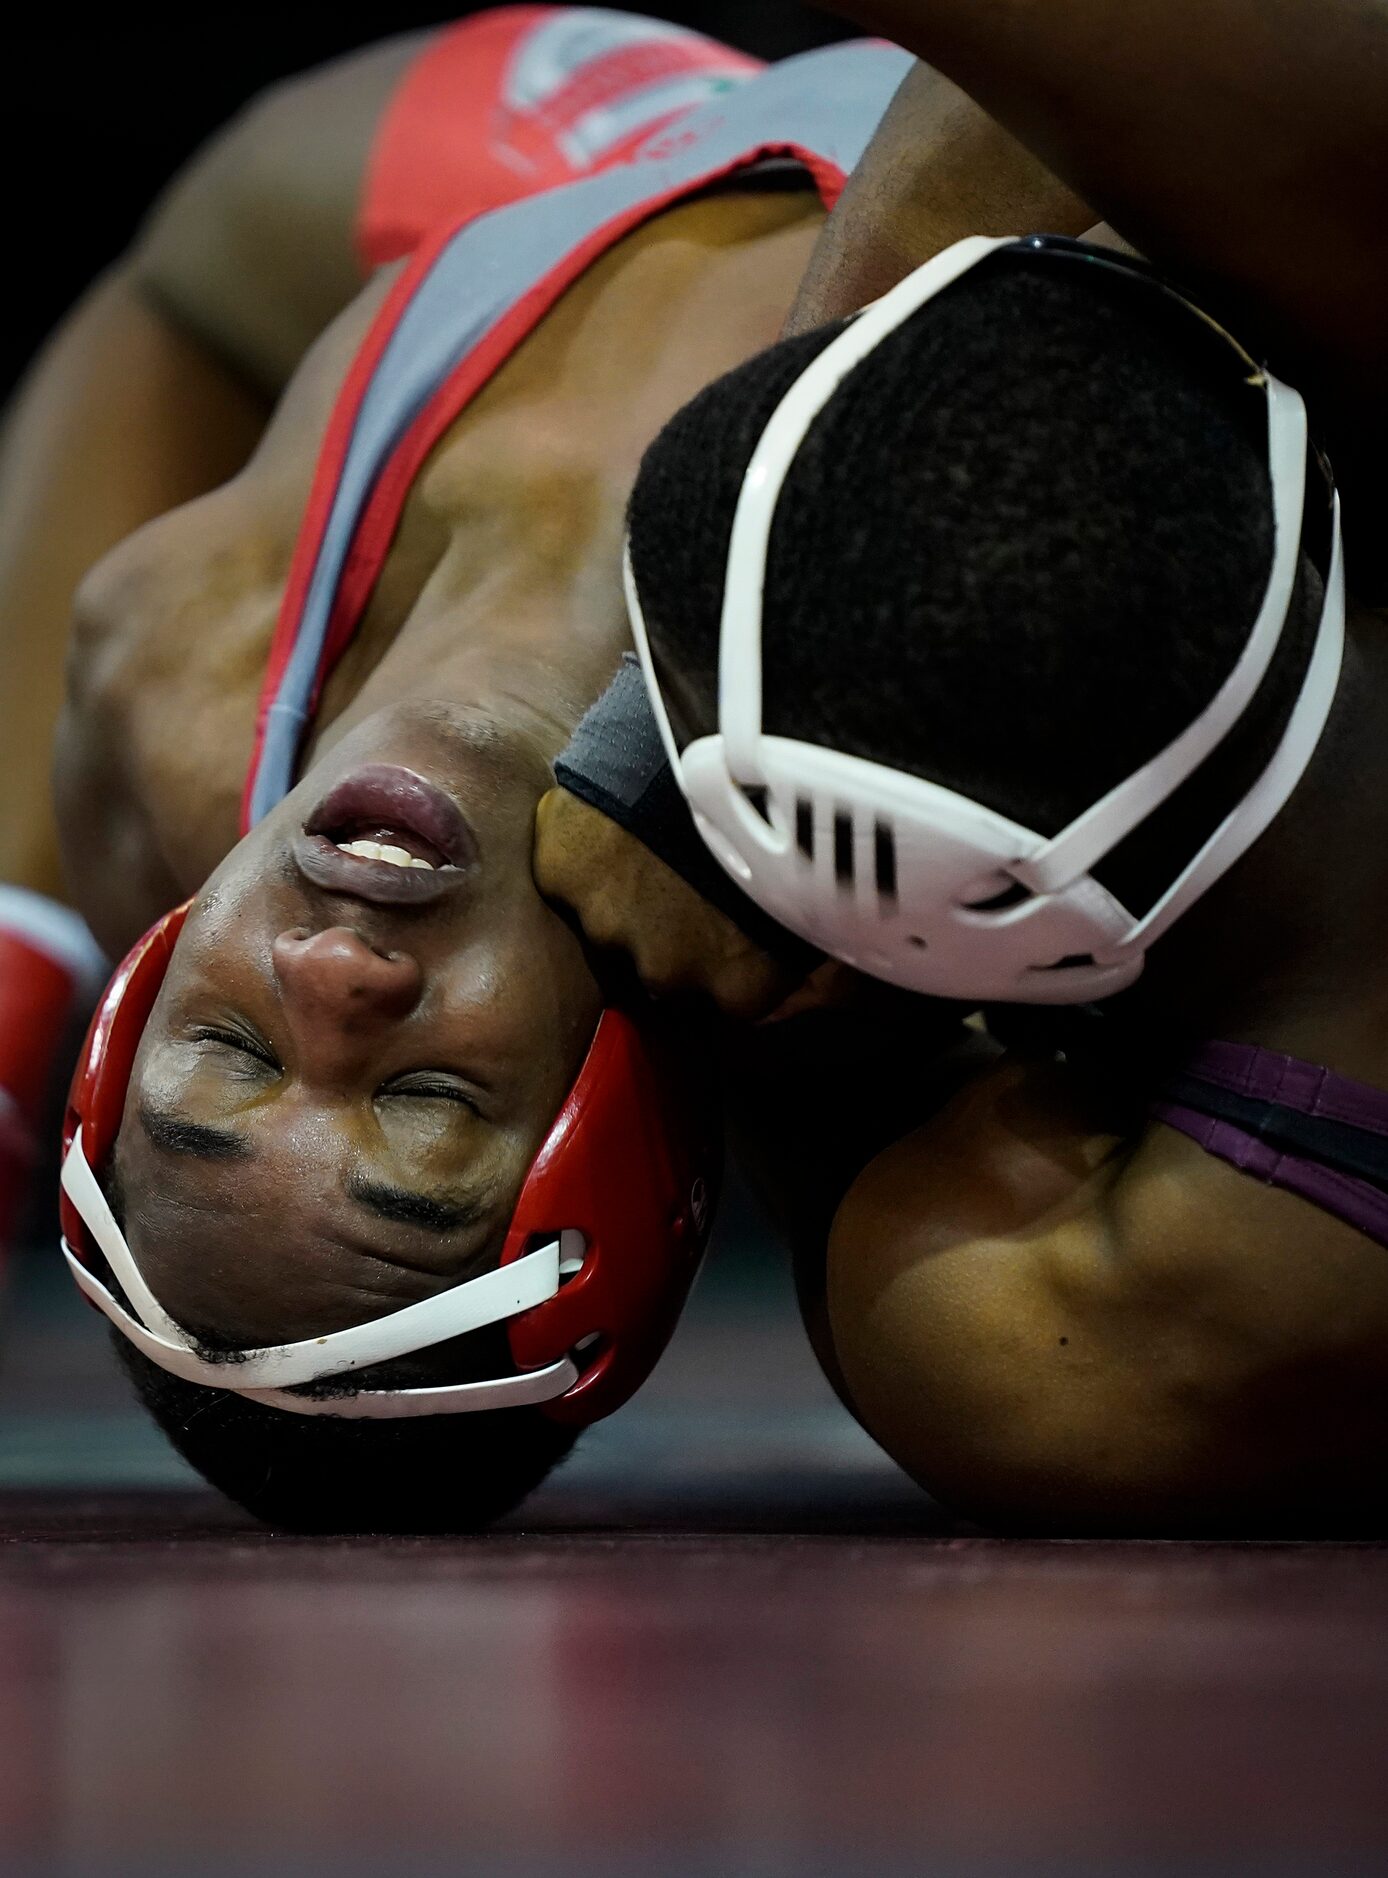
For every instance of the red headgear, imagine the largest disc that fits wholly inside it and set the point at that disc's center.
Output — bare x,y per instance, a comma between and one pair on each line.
618,1201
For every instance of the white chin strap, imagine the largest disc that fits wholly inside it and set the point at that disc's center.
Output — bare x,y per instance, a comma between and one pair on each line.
893,874
268,1375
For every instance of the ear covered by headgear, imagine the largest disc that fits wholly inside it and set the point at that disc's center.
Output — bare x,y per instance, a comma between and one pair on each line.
603,1245
912,882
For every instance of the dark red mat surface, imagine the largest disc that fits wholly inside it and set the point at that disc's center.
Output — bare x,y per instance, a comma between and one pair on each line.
727,1638
177,1689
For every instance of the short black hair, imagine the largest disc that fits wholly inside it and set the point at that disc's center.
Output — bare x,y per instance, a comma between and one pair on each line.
1017,552
320,1473
324,1473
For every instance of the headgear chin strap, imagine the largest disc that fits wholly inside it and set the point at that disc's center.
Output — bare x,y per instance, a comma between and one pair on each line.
603,1245
913,882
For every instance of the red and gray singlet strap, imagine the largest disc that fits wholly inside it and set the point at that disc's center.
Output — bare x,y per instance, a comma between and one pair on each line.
1289,1123
468,299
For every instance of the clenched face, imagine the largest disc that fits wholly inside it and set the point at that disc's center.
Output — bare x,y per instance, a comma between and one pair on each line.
368,1024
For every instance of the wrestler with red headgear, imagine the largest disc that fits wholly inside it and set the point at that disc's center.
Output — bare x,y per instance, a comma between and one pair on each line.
359,1144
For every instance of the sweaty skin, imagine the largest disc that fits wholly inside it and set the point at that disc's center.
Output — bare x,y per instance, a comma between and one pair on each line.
355,1087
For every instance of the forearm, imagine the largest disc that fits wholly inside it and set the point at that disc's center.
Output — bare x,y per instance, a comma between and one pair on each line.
119,419
1235,138
938,169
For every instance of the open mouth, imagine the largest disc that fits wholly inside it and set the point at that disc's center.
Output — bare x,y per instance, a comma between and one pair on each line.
385,834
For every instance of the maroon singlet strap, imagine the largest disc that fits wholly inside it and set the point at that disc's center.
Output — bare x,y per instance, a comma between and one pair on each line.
1243,1104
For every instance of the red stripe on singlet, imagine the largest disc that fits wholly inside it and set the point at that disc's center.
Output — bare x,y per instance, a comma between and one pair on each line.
380,516
337,442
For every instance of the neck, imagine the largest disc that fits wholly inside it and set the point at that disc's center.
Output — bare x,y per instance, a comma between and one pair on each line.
526,694
1288,950
503,588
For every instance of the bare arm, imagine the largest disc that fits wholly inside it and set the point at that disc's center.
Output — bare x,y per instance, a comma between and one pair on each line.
155,388
1049,1324
1241,140
120,418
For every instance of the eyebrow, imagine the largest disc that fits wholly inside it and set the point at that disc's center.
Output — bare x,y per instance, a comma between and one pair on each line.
176,1135
404,1208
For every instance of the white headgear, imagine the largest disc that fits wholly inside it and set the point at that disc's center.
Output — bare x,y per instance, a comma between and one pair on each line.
894,874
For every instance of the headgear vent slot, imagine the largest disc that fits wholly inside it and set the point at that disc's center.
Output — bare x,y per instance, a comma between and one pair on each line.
843,849
758,800
1013,894
884,860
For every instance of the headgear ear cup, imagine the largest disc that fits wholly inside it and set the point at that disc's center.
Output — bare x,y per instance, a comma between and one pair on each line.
629,1163
96,1100
632,1163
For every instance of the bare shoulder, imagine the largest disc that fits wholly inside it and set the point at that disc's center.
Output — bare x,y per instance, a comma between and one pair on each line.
1052,1323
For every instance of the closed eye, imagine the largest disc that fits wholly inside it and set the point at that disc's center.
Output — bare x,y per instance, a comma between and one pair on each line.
431,1089
238,1041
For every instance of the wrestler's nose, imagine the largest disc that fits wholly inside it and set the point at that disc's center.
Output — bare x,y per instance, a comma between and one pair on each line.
338,983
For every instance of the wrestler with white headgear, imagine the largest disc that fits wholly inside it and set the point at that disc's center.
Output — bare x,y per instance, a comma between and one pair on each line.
997,636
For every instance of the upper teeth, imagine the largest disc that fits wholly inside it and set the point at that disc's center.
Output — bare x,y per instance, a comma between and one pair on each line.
383,851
